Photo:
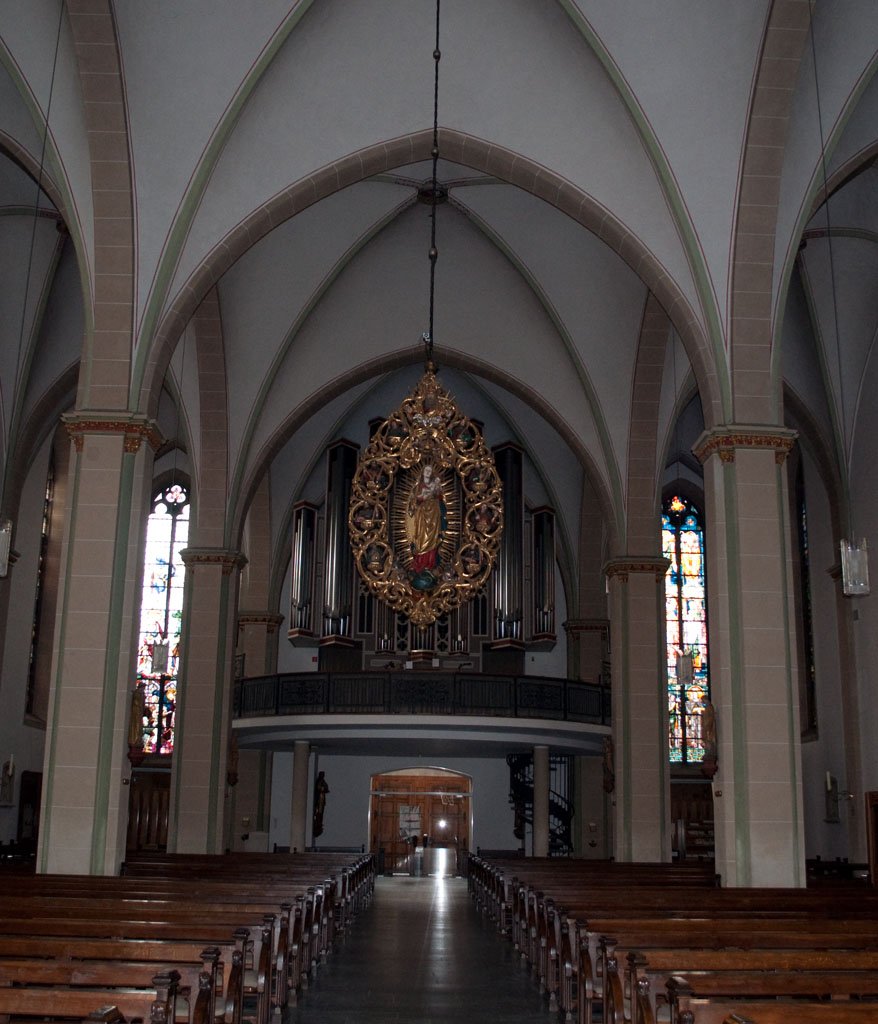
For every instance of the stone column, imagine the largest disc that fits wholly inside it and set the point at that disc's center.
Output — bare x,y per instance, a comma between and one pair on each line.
299,809
250,798
757,788
84,810
257,641
249,804
592,830
588,638
640,709
541,801
203,701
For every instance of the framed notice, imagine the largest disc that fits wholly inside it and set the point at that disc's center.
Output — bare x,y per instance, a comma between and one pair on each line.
409,820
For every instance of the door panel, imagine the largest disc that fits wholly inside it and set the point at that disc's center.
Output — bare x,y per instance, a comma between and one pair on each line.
409,812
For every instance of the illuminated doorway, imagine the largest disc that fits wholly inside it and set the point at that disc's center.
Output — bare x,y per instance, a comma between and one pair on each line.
420,820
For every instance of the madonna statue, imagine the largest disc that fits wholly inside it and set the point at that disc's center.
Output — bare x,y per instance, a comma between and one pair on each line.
425,522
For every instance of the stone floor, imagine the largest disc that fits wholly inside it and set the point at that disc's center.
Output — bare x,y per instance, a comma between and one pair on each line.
420,955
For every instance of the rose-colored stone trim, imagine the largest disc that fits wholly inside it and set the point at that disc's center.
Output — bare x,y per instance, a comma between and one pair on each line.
752,282
655,335
228,560
135,431
458,148
104,108
725,440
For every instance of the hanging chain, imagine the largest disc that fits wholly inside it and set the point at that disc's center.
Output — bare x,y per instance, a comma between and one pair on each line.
434,252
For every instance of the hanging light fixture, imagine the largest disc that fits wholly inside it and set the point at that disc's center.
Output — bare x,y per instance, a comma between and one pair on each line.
854,551
426,510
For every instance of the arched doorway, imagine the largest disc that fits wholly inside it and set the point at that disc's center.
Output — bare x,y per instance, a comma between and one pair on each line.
420,820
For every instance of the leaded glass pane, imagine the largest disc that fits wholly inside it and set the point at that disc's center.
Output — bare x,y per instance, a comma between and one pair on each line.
686,628
161,616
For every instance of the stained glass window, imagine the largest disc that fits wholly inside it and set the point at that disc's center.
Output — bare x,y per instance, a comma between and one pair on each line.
161,616
686,628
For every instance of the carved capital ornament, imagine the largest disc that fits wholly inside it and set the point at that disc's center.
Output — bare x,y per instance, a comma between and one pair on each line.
426,509
724,441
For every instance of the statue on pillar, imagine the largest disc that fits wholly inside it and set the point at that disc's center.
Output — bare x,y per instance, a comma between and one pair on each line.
232,762
709,739
609,765
321,788
135,725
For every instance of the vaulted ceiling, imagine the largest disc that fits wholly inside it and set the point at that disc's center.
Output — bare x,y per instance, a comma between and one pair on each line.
593,154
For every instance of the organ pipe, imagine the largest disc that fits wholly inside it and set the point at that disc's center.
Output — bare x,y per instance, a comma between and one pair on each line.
543,525
303,582
509,569
338,573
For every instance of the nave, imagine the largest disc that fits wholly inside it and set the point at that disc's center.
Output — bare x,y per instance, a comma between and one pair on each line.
421,953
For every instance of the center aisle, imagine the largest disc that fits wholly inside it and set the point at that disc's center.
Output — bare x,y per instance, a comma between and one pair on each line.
421,955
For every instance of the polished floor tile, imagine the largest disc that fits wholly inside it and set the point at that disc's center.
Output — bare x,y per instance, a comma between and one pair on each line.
421,954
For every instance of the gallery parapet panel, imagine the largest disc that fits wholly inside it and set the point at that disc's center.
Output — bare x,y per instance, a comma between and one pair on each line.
422,693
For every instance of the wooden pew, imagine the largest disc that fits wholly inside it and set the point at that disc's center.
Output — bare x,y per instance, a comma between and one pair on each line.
224,960
546,934
753,936
694,1010
270,973
206,901
162,1003
566,922
756,973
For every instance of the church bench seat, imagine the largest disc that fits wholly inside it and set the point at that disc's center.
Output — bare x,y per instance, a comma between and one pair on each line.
193,981
568,924
571,943
279,920
793,1011
758,972
163,1001
757,938
282,959
547,933
227,960
250,971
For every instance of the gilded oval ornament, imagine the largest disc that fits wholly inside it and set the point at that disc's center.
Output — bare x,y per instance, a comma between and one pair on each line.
426,509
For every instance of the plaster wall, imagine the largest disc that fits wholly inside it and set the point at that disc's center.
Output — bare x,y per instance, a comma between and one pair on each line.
346,822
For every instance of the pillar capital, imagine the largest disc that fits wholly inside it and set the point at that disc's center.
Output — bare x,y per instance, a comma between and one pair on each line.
134,427
226,558
725,441
270,620
620,568
576,626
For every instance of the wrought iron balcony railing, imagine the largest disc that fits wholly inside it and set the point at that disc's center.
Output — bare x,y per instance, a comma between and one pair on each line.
422,693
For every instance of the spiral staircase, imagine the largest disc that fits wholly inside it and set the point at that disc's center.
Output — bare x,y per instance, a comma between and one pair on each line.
521,796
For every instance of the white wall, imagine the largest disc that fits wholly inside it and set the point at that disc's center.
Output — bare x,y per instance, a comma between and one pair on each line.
346,821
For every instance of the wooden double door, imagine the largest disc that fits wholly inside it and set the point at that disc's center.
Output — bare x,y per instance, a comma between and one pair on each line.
416,811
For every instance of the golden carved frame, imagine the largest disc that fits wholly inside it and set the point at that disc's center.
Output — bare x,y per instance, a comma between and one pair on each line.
427,430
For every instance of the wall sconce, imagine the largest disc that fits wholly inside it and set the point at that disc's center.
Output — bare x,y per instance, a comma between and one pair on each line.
854,568
833,796
5,545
